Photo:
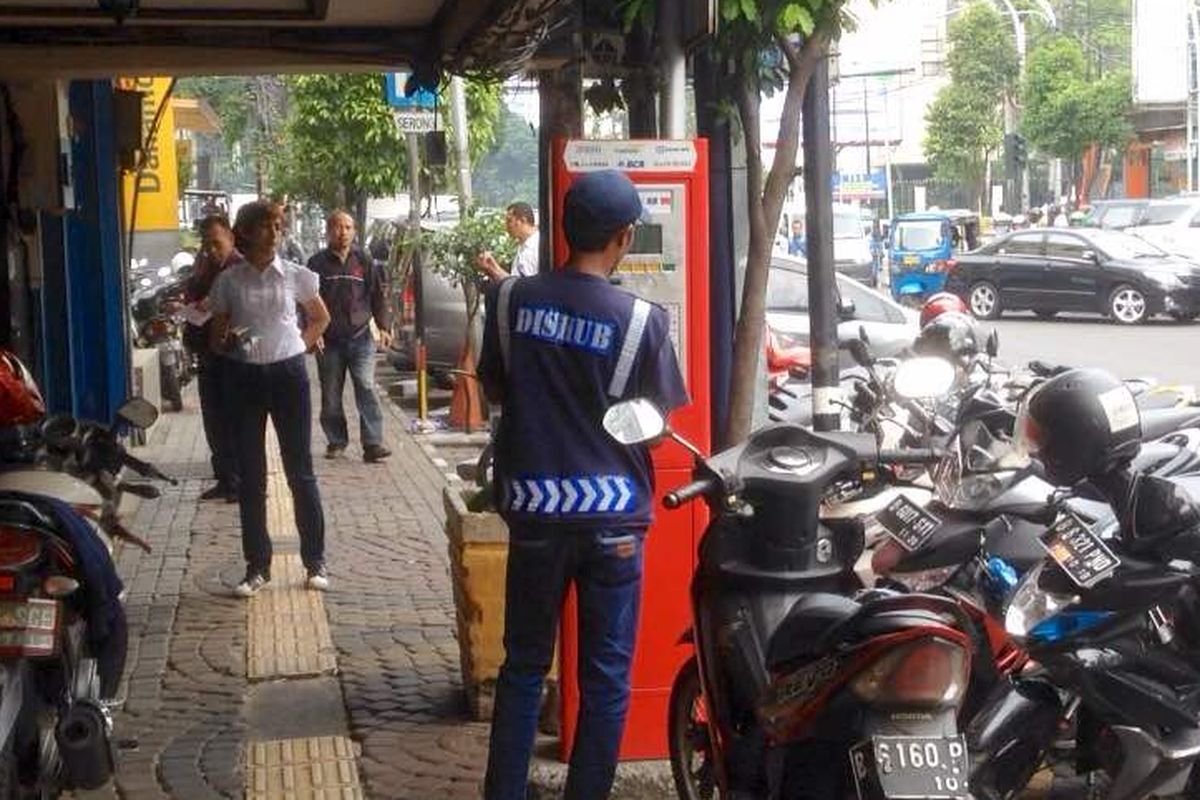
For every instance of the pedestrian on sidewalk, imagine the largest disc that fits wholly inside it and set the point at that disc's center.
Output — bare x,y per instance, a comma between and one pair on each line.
559,349
254,320
216,254
354,288
520,224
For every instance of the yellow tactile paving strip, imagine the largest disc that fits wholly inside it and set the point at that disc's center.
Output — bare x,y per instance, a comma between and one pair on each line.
281,520
321,768
287,627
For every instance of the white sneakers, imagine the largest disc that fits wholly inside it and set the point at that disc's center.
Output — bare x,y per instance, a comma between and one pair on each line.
317,581
251,584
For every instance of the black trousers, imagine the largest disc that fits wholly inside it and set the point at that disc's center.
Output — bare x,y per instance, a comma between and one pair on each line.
280,391
218,414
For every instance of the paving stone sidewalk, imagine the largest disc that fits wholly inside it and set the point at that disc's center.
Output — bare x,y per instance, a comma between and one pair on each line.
189,705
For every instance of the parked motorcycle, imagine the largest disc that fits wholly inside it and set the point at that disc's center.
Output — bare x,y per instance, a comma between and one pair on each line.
62,623
796,689
157,323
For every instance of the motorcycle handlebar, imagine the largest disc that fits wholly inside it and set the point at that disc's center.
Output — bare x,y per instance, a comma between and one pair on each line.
924,455
690,491
146,469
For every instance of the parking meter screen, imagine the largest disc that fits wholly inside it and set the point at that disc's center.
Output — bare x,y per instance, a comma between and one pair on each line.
656,266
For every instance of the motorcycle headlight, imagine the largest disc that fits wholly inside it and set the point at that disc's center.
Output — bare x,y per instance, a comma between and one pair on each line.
1032,605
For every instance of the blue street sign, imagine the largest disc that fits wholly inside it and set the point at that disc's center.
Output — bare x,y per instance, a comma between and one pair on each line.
394,93
860,185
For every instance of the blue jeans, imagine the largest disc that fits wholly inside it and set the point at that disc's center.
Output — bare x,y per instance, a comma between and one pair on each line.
357,355
606,567
281,391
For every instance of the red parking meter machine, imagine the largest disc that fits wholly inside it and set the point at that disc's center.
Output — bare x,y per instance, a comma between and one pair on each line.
667,265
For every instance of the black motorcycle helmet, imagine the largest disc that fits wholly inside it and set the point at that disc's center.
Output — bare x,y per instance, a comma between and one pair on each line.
952,336
1082,423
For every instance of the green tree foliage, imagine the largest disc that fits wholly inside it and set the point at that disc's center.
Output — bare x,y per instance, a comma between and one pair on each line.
965,121
341,145
769,45
508,172
1064,111
252,110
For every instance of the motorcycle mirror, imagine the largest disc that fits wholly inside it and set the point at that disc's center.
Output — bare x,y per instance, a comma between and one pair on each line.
925,377
860,352
993,343
138,412
634,421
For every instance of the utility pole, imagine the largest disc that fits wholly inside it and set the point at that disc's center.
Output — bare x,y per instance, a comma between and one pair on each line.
867,126
672,116
458,111
822,303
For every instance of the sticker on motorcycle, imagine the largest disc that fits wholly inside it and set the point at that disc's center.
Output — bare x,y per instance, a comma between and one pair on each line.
1120,408
1077,549
907,523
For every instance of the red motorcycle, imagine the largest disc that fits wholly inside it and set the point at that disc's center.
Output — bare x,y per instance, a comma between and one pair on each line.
802,686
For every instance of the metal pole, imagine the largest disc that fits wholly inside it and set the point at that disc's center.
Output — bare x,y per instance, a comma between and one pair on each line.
887,154
414,231
822,303
458,109
867,127
673,101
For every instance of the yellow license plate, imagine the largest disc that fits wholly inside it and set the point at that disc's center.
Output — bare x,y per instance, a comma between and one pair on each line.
910,260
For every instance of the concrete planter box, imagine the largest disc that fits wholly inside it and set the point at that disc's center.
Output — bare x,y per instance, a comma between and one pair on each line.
478,546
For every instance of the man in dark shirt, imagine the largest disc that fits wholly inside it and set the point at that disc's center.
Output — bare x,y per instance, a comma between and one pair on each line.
216,253
559,349
354,288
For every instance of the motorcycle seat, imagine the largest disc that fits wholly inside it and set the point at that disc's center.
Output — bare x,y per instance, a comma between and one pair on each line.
804,628
819,625
1159,422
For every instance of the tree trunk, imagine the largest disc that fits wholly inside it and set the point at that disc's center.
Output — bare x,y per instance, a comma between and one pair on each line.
360,215
765,203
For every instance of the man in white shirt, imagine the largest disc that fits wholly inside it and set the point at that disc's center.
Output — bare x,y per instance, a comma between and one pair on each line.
519,223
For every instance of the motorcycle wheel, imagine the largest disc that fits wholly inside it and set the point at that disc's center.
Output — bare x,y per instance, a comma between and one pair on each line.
172,392
688,738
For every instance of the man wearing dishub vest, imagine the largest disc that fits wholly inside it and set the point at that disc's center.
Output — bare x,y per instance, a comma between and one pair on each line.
559,349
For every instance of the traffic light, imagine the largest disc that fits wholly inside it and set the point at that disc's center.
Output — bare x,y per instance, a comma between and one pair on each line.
1016,152
1020,154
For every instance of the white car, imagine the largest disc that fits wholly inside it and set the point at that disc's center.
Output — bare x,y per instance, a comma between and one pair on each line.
890,327
1173,225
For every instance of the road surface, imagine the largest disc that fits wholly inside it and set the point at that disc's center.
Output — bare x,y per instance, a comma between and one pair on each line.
1162,349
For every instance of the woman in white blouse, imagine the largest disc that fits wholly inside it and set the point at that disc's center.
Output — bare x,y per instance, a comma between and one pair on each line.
254,305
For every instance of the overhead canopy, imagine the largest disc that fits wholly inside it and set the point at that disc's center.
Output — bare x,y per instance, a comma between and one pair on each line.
109,37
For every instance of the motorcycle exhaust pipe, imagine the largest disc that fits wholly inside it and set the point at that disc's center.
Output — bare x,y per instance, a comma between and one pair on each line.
82,736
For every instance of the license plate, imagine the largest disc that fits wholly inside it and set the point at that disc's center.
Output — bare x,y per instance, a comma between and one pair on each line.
35,614
899,767
908,261
1079,551
907,523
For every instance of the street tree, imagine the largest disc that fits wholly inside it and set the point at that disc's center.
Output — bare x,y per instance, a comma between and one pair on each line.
342,145
966,120
770,46
252,110
509,170
1065,112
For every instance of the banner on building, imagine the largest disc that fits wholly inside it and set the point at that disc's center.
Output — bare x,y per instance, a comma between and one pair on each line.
860,185
1160,51
157,183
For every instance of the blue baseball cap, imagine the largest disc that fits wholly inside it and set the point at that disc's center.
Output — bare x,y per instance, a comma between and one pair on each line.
601,202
